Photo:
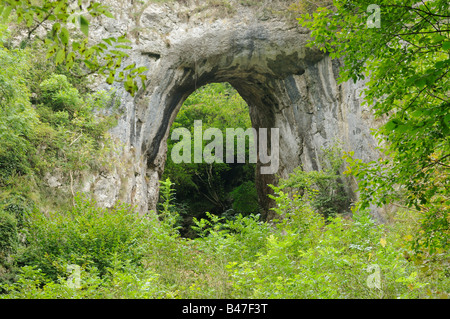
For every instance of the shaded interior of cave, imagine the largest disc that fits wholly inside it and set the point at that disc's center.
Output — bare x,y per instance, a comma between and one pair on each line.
223,189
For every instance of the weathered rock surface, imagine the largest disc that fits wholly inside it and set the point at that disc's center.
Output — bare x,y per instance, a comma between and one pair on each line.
264,56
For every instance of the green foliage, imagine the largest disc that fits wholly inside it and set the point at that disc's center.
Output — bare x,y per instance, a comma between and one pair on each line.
68,116
245,198
213,187
63,130
407,66
60,130
169,216
59,94
237,240
87,236
17,205
307,258
9,244
121,282
9,239
301,256
72,47
324,188
17,118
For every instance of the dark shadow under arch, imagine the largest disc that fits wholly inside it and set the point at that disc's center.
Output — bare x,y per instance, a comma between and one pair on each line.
257,99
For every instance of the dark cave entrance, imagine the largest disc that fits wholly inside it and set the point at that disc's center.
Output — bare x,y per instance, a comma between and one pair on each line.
221,187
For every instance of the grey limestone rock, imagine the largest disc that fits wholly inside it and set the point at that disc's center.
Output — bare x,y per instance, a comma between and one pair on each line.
286,84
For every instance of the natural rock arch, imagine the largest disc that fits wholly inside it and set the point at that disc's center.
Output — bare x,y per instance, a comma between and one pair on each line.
259,64
286,85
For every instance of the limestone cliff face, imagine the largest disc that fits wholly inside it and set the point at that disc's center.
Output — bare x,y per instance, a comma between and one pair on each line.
264,56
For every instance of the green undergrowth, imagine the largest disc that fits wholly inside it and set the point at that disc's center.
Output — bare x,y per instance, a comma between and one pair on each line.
303,255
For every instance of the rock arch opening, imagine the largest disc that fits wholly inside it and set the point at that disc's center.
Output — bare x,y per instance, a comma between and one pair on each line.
211,156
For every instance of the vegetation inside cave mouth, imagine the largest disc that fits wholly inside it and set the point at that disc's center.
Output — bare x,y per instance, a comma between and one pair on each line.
224,189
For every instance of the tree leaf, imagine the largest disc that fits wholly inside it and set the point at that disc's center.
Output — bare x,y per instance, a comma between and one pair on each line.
64,36
123,39
121,46
110,79
55,28
129,67
60,56
84,25
108,41
141,69
75,46
6,13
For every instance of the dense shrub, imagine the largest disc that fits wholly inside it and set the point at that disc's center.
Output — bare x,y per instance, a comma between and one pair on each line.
245,198
324,188
87,236
118,283
59,93
8,234
308,258
17,118
9,243
303,255
17,205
